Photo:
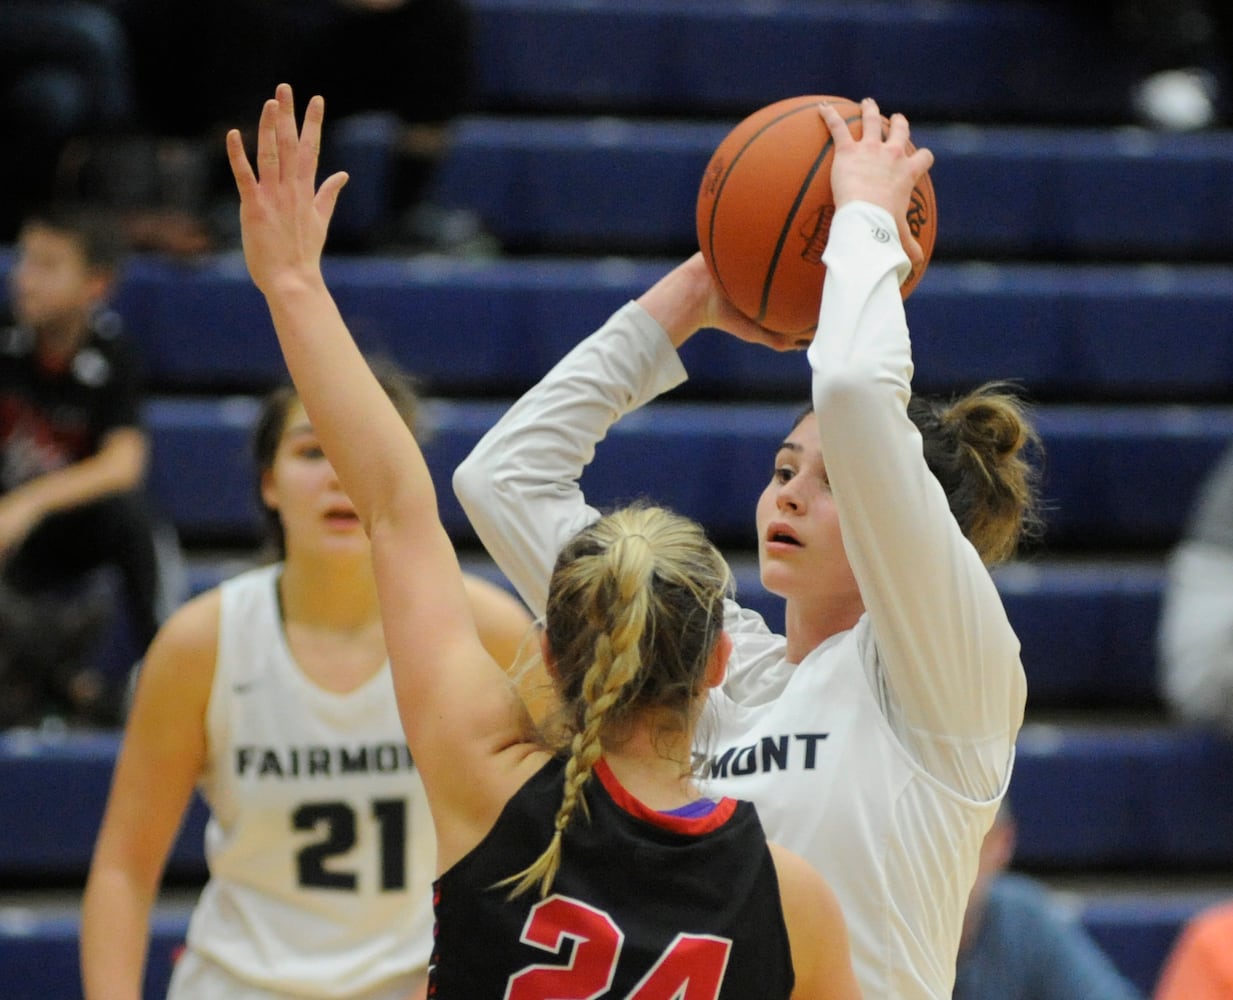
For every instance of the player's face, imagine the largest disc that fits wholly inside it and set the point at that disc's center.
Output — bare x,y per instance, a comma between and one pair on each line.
800,550
51,282
302,486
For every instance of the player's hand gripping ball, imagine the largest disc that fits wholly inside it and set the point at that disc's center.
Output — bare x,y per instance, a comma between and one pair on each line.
765,207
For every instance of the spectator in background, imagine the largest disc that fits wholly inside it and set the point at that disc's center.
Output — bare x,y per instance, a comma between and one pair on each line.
73,456
1184,50
1019,943
1196,625
408,58
196,67
64,79
1200,966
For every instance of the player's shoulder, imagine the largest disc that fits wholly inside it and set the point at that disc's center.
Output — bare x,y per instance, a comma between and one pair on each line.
176,674
193,626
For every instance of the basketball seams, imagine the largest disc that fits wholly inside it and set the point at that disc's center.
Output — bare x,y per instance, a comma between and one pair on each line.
723,180
772,266
764,246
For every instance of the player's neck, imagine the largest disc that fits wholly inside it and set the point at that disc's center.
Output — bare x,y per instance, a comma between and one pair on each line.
654,766
808,625
344,598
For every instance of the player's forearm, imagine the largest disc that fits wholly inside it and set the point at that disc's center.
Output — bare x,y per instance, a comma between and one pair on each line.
115,928
520,484
375,455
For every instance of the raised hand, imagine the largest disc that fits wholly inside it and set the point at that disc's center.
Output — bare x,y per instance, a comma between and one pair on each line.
878,169
283,215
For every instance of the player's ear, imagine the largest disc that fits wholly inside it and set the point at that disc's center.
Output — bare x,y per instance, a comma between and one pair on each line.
717,662
545,652
268,496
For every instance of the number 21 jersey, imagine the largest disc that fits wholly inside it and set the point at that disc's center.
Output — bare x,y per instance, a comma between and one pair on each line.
320,844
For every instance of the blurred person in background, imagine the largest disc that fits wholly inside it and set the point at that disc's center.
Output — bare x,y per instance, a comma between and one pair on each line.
1195,637
1020,943
73,458
65,80
1200,966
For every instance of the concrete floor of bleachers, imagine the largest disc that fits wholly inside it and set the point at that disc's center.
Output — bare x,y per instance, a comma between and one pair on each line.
1087,258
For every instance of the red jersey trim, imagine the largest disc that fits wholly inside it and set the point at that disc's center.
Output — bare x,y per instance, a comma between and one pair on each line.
720,815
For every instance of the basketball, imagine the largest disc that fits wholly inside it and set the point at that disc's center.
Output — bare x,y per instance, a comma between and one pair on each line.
765,207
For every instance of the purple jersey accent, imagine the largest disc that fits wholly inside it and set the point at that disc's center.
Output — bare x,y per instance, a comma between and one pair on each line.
691,810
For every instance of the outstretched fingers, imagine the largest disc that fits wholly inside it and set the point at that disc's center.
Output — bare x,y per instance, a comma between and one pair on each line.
921,161
327,194
286,134
310,157
899,130
310,140
241,169
881,168
267,141
871,121
836,123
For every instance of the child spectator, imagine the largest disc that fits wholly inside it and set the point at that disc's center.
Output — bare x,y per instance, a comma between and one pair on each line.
73,456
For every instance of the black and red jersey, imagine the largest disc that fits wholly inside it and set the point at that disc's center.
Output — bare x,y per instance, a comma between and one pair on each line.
645,906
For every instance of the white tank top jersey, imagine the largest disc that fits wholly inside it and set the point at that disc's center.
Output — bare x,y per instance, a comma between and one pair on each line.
883,755
320,844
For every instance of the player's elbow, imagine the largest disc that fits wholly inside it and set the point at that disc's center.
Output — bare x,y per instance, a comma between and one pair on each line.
475,480
470,480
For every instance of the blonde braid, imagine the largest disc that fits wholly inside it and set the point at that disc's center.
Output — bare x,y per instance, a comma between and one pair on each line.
616,665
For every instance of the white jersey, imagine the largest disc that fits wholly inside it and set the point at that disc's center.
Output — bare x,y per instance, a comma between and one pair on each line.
320,844
883,755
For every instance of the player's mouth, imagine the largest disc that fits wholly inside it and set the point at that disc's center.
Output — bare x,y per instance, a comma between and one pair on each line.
342,517
781,537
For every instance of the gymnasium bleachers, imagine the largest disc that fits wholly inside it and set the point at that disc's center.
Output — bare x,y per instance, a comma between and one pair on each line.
1089,260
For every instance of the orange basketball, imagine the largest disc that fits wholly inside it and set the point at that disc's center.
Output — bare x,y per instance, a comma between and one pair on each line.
765,207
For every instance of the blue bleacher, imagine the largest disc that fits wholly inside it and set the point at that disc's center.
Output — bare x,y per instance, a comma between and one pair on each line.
1084,796
1138,932
1092,797
1004,191
603,183
39,952
1074,332
1104,473
1104,656
58,782
1012,59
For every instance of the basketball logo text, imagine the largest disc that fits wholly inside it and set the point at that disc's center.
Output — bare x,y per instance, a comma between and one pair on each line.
711,179
815,231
